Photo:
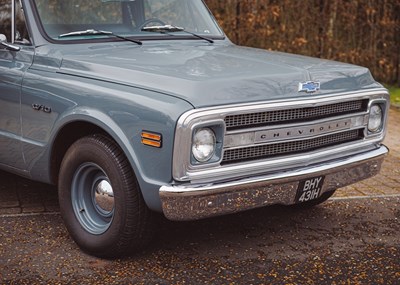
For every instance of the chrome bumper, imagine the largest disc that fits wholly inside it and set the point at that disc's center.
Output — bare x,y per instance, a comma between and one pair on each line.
196,201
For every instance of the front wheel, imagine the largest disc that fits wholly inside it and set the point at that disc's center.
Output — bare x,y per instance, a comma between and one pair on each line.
100,200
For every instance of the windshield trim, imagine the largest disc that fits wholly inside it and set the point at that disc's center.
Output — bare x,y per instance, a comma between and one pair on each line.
142,38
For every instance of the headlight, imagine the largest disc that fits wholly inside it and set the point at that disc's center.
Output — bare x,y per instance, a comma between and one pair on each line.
203,146
375,118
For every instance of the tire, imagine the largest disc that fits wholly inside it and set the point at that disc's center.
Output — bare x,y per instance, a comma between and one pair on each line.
310,204
100,200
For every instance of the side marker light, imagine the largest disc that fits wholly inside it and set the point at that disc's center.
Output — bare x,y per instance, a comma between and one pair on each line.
151,139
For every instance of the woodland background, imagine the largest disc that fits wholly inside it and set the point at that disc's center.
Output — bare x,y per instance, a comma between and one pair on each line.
364,32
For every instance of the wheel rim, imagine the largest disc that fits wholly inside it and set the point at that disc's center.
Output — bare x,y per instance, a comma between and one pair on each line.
92,198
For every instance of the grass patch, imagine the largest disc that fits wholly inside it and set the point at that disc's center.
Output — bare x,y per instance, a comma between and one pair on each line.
394,95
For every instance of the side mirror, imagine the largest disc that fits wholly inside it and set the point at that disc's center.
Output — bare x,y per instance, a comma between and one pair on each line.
4,43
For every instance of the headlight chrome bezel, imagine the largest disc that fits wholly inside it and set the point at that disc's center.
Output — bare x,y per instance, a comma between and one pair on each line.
376,117
218,129
203,138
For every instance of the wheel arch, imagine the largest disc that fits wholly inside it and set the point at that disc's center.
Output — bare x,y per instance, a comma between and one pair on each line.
66,136
77,126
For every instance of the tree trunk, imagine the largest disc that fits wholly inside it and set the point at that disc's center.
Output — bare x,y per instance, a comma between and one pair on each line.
238,27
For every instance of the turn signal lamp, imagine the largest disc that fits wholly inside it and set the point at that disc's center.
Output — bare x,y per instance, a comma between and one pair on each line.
151,139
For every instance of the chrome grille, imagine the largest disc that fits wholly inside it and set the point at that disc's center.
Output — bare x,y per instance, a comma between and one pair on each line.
271,150
299,114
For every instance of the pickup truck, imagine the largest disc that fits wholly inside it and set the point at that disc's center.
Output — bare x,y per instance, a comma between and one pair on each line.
133,107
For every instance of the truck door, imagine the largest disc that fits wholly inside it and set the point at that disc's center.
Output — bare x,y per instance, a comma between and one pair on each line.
16,55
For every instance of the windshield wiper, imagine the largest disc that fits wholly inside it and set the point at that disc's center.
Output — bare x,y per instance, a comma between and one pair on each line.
166,29
98,32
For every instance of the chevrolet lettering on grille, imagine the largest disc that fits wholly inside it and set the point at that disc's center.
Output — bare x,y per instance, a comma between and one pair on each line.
301,132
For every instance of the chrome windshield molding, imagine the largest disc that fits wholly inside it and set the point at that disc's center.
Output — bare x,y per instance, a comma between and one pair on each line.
184,171
196,201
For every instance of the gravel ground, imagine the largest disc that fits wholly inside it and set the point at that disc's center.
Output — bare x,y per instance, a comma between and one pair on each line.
343,242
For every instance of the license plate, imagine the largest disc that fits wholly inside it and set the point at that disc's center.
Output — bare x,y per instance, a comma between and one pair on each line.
309,189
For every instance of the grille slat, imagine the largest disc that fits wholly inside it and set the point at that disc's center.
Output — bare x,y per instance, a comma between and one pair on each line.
293,115
291,147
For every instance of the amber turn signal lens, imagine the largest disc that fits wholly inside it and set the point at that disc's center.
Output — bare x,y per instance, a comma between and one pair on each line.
151,139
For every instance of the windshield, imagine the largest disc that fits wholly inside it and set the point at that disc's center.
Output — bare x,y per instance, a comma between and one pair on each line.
127,18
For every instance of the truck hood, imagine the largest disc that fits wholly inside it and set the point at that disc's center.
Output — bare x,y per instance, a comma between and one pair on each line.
209,75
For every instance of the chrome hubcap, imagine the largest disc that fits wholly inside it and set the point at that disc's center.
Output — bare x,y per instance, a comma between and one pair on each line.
104,197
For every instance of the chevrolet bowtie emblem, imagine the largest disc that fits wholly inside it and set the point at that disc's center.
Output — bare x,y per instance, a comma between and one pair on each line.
309,86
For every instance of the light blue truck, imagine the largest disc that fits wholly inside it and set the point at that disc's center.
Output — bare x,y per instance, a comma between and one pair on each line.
139,106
